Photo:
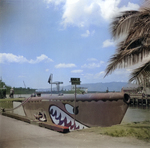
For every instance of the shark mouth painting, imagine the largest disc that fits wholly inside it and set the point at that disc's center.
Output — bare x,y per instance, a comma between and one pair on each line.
59,117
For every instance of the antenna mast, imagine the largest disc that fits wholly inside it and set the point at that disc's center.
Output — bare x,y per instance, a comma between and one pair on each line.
50,81
24,84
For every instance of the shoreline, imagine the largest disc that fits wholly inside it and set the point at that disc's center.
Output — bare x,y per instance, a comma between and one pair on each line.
139,130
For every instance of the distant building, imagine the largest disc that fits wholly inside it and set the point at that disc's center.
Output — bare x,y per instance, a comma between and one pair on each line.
132,90
83,89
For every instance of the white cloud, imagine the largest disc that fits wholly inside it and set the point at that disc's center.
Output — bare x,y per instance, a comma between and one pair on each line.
93,65
87,33
130,6
11,58
56,2
40,59
88,76
92,59
108,43
120,75
46,70
99,75
83,13
21,76
63,65
77,71
110,8
121,72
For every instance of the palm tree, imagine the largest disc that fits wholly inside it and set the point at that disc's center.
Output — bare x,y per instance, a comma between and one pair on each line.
136,46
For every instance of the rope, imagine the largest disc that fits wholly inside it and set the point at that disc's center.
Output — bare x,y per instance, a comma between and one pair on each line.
25,101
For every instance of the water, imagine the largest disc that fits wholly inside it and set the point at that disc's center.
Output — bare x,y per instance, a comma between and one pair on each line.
20,96
136,114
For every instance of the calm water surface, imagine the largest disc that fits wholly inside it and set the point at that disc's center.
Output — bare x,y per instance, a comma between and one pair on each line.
137,114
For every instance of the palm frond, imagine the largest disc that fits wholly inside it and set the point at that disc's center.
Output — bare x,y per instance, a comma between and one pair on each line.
138,74
140,27
113,64
123,23
128,54
136,46
145,5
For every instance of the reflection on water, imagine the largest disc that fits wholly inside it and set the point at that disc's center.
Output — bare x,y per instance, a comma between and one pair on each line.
137,114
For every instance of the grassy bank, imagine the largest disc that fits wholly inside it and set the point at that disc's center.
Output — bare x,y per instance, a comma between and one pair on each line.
139,130
8,103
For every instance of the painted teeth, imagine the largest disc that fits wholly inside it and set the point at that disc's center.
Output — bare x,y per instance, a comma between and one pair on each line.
58,117
58,114
55,121
63,124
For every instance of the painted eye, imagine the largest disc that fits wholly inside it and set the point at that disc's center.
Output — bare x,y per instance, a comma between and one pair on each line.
69,108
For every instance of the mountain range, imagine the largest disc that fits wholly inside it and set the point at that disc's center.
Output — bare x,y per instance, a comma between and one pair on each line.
110,86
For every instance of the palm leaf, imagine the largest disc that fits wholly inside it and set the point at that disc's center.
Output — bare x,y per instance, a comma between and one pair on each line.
146,5
141,26
130,53
138,74
123,23
136,46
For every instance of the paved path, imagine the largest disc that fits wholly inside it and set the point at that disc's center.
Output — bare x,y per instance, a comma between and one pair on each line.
18,134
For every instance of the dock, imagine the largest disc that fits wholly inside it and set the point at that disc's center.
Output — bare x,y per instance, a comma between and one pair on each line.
54,127
140,100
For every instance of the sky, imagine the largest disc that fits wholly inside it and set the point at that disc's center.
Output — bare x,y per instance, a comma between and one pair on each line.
66,38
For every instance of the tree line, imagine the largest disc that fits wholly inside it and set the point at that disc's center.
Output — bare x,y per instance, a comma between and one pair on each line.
5,89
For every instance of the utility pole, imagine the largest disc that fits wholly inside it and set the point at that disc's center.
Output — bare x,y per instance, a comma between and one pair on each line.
75,81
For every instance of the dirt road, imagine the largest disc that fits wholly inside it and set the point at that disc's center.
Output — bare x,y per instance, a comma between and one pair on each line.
18,134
